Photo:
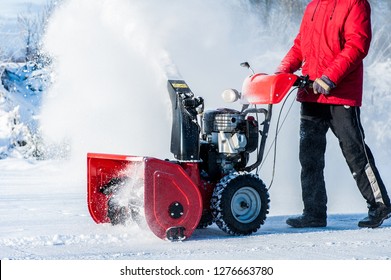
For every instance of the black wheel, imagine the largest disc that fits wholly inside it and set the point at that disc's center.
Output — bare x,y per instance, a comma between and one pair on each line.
240,203
206,220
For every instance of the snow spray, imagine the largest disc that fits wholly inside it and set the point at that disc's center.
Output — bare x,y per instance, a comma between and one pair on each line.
113,59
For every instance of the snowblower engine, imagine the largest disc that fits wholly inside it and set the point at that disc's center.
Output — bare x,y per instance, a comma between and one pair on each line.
227,135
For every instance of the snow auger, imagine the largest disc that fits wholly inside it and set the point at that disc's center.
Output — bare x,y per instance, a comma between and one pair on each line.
210,180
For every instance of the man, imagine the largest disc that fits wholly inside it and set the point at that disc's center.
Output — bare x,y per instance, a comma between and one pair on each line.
333,40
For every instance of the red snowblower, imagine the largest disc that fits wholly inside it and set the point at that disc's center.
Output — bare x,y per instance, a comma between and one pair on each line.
210,180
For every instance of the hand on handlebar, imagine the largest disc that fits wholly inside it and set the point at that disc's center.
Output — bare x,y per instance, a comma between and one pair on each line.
323,85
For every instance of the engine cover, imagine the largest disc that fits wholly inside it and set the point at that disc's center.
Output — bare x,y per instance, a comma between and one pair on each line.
222,120
225,128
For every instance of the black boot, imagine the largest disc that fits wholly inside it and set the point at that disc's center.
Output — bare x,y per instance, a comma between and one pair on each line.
306,220
376,215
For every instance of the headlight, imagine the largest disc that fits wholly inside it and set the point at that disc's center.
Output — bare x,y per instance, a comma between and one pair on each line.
230,95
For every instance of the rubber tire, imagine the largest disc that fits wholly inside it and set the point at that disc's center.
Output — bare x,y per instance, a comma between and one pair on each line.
206,220
230,187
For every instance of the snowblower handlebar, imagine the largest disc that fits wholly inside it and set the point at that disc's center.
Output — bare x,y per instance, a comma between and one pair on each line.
261,88
303,82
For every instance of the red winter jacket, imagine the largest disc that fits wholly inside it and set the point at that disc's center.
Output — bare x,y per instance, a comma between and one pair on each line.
333,40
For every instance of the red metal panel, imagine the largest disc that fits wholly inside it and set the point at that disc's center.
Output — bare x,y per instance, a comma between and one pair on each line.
167,183
101,168
267,89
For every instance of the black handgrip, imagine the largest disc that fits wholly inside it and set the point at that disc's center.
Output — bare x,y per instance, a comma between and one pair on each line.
303,82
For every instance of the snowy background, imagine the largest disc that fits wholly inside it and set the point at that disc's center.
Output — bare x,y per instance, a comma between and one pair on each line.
97,83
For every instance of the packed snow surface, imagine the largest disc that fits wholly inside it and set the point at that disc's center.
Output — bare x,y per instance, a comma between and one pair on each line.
44,215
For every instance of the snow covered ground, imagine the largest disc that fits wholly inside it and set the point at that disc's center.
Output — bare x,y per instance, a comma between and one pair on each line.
44,216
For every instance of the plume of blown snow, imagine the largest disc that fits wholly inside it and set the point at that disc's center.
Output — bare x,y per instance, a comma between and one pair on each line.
112,60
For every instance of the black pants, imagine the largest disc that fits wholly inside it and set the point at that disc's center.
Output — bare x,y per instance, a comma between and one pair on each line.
345,123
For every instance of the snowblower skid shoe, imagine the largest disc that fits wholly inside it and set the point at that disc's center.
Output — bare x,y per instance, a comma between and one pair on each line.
170,201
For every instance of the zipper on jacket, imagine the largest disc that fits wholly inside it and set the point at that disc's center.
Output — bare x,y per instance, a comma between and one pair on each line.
316,8
322,20
332,13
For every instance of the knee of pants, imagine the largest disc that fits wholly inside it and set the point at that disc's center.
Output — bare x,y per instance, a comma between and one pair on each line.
312,143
